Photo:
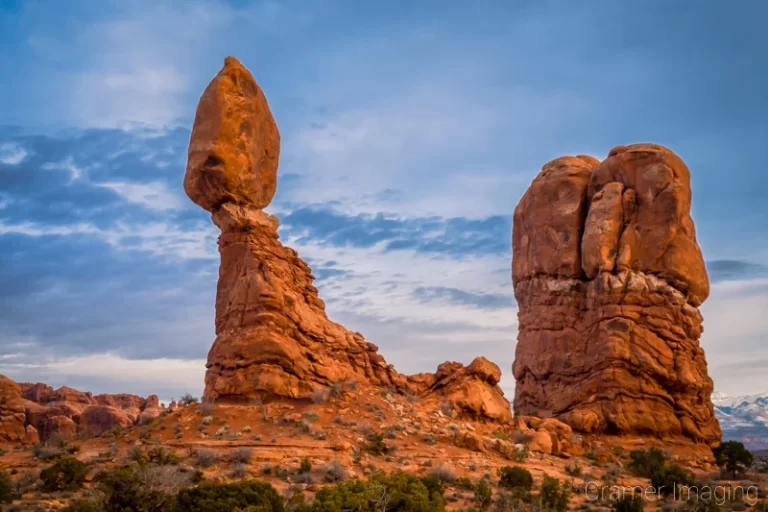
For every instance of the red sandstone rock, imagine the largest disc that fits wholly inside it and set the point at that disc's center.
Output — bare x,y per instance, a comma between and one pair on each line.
549,220
235,145
59,411
131,404
658,235
38,393
98,419
43,394
608,277
11,411
60,426
472,389
31,435
540,441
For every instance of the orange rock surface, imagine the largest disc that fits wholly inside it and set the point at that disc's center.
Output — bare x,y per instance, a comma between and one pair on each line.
11,411
608,277
235,145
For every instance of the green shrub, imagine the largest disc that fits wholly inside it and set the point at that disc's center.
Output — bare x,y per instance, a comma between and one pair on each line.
515,478
629,504
67,474
445,473
210,497
574,469
351,495
141,488
465,483
136,454
376,445
512,501
397,492
646,463
305,466
242,456
733,457
6,488
483,494
45,452
553,495
668,478
123,490
205,458
188,399
520,454
335,472
161,456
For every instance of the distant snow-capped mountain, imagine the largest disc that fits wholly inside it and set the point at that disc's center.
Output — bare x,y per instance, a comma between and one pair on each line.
743,418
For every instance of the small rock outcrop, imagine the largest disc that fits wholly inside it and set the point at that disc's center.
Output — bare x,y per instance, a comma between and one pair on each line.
608,277
273,337
98,419
473,390
11,411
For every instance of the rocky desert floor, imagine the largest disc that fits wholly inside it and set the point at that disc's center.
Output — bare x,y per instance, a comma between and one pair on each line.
299,446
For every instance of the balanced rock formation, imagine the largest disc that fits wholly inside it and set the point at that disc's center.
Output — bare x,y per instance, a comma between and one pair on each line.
273,337
272,334
608,277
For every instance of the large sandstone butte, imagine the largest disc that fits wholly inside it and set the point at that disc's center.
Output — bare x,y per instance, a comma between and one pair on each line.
609,277
273,337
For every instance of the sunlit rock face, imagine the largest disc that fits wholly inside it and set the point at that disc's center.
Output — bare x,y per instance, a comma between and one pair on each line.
609,277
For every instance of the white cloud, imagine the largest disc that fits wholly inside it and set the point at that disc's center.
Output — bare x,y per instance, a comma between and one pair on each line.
144,96
153,195
68,164
12,154
161,239
133,67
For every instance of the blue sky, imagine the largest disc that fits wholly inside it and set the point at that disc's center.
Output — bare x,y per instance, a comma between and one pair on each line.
409,133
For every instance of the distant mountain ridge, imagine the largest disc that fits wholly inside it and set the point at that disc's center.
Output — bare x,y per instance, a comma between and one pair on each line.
743,418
